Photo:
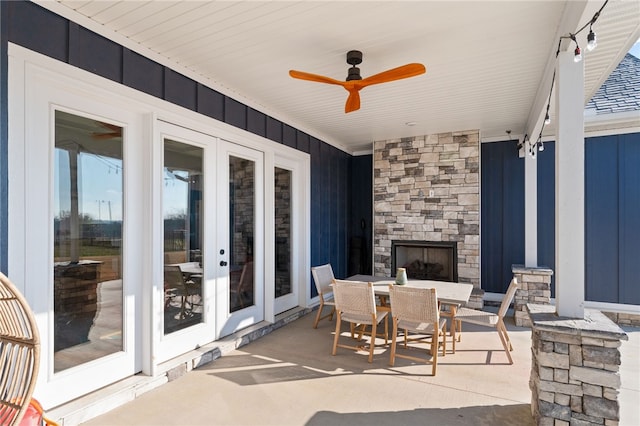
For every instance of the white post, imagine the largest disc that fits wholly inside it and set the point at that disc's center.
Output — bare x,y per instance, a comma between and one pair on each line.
569,191
530,211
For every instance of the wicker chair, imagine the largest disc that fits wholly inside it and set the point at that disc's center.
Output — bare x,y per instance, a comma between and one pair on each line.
19,353
489,319
415,310
356,303
323,277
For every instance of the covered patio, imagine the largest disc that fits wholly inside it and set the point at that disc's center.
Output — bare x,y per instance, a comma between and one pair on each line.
288,377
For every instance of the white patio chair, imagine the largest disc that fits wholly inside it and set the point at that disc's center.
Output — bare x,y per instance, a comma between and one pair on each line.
415,310
490,319
356,303
323,277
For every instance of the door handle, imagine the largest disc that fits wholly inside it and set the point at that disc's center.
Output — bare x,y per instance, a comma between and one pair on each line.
223,263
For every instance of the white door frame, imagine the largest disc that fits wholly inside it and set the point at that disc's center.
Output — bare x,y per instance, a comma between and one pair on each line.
179,342
230,322
36,92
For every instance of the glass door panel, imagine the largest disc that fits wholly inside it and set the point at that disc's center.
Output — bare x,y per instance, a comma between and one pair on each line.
282,202
183,230
88,224
242,207
184,219
240,229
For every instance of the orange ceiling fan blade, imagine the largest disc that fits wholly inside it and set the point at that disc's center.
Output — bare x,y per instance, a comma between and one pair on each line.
353,101
314,77
405,71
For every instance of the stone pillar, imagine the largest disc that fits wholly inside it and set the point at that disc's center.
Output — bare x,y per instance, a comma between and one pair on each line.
575,366
534,286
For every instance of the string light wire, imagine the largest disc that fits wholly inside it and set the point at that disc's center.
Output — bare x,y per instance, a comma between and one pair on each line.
591,44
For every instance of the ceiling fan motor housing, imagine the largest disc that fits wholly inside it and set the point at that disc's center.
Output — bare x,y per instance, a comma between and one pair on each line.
354,57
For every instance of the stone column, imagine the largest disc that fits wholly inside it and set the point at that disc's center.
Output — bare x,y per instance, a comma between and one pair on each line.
534,286
575,365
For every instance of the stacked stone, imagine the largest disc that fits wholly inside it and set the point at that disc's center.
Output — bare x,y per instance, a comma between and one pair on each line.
534,286
624,318
427,189
575,370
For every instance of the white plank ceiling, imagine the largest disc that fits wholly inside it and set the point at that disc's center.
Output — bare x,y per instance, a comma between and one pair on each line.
488,62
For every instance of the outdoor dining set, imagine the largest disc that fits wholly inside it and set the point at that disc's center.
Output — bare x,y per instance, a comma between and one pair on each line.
418,309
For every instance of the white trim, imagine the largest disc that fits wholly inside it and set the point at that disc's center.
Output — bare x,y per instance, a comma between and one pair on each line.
619,308
505,138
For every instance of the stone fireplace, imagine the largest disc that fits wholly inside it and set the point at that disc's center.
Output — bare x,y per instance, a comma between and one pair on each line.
425,260
426,188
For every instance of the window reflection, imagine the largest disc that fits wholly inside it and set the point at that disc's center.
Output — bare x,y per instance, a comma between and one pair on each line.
87,275
283,231
182,213
242,228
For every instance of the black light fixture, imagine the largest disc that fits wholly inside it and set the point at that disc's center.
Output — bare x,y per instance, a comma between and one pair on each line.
591,40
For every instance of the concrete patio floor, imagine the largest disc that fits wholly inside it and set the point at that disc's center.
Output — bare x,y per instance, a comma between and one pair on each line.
289,377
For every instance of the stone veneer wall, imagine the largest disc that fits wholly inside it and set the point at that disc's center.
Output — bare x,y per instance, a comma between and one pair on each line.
405,171
534,286
575,368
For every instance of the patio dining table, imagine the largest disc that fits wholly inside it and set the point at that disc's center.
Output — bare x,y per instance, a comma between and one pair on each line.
452,293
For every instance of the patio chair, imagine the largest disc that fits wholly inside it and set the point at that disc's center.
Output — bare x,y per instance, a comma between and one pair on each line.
245,283
415,310
490,319
323,277
19,353
356,303
176,286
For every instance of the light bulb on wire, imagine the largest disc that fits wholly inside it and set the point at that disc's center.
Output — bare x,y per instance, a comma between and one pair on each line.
540,146
577,54
547,119
592,42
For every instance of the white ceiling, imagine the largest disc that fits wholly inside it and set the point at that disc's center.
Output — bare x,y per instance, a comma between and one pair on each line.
489,63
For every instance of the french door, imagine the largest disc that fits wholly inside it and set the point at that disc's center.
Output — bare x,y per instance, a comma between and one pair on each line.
77,230
184,214
240,250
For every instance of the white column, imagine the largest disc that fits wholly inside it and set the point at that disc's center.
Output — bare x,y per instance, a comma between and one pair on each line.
569,191
530,211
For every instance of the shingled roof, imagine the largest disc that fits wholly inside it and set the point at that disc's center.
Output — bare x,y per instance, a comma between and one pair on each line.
620,92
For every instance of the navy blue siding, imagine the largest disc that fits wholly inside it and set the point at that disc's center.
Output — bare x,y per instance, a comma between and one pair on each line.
502,214
361,214
4,137
612,216
210,102
180,90
629,217
142,73
302,141
29,25
235,113
274,130
256,122
288,136
546,183
36,28
601,219
94,53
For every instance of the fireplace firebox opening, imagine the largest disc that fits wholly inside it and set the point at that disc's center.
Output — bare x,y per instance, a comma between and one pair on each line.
426,260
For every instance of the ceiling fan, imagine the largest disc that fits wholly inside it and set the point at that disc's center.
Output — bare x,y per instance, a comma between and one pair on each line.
355,82
113,131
